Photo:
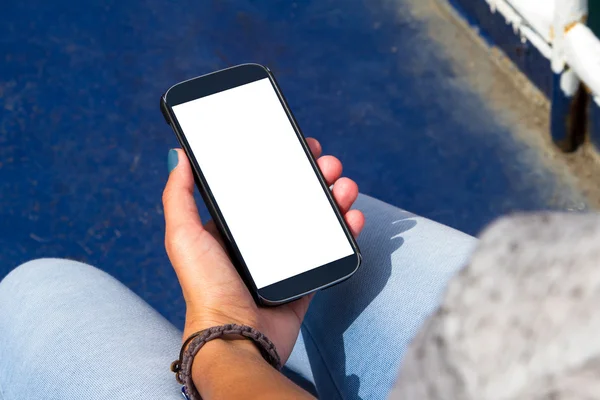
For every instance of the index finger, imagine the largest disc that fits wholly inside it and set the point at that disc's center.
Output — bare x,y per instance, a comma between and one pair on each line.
315,147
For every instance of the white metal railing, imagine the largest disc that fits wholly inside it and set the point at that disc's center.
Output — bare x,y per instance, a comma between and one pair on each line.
557,28
534,27
582,54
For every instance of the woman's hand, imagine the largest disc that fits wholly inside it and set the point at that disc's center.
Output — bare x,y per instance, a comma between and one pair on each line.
214,292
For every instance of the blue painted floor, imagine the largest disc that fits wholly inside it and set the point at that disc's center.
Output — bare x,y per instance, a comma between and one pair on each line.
83,145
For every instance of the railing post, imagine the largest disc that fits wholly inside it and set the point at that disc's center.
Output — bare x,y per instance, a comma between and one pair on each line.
567,98
594,25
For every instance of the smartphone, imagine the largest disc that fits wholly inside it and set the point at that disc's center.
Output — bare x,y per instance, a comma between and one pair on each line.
261,184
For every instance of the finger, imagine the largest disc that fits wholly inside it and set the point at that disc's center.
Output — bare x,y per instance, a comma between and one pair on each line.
315,147
211,227
356,221
178,196
345,192
190,247
331,168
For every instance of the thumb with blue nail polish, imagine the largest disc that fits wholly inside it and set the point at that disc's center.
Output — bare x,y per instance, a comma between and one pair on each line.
172,159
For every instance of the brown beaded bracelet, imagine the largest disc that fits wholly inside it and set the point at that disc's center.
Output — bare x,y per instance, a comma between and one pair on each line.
183,366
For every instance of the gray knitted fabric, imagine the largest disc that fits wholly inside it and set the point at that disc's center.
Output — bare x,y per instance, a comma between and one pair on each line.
522,321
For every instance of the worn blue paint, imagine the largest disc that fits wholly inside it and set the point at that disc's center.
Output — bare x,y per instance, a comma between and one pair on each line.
83,147
498,33
564,116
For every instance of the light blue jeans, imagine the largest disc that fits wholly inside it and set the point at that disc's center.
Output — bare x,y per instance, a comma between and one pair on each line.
70,331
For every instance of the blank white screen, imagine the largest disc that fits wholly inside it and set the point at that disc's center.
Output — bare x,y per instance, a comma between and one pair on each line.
263,182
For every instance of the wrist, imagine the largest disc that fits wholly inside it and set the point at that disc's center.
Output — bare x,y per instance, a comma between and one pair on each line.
216,357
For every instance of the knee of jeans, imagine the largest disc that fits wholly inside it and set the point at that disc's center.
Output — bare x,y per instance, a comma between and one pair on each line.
39,274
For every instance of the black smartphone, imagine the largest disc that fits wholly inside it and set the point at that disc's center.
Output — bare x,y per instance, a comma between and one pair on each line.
261,184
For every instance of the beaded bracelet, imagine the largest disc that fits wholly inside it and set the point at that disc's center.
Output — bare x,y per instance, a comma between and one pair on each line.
182,367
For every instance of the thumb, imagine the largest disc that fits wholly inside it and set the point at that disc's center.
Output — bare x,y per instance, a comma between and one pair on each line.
183,226
178,196
185,237
193,251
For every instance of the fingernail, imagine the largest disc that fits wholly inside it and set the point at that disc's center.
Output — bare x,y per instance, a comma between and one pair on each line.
172,159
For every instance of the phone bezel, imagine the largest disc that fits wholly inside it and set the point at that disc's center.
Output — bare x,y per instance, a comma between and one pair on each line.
291,288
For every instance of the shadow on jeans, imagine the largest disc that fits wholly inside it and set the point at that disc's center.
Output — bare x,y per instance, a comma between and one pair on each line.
334,310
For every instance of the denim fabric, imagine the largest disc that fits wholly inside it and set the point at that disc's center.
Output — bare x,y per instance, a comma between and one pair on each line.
355,334
70,331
